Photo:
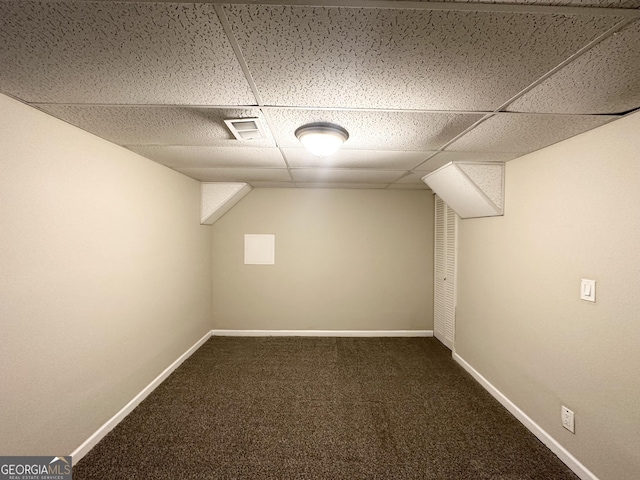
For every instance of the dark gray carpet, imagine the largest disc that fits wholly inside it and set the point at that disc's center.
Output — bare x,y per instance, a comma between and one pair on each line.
320,408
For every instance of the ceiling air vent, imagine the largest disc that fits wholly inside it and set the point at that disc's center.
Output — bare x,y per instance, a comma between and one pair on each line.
246,128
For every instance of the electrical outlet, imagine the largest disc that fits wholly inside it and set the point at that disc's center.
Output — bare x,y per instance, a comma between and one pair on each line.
568,420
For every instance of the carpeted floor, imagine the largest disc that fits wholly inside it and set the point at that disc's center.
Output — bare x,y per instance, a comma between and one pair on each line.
320,408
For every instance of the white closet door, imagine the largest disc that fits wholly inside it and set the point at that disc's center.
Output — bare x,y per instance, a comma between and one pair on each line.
446,225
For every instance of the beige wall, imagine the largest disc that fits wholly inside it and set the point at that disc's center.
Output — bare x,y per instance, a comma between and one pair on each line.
571,213
345,260
105,275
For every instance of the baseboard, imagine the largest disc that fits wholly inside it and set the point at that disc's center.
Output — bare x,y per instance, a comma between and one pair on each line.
562,453
322,333
99,434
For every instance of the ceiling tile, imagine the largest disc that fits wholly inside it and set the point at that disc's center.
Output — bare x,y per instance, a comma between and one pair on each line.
523,133
414,178
568,3
606,79
118,53
158,125
259,184
385,159
369,130
392,58
202,157
376,186
408,186
237,174
442,158
334,175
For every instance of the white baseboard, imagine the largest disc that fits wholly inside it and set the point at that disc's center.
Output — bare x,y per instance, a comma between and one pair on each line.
322,333
99,434
562,453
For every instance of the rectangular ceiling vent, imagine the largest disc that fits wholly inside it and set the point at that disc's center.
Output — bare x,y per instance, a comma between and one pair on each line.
246,128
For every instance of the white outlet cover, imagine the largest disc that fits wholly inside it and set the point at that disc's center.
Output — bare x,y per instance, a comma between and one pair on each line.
568,419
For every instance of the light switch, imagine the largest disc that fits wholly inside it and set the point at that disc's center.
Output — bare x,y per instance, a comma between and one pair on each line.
588,290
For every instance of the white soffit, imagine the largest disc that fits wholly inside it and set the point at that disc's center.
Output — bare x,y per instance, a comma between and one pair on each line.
471,189
216,199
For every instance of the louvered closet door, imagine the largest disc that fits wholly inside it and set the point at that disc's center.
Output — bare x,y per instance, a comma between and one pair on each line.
446,225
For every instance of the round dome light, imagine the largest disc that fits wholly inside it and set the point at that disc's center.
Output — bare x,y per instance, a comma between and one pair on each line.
322,139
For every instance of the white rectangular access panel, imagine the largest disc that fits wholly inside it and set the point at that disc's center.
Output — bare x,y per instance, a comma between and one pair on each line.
259,249
445,252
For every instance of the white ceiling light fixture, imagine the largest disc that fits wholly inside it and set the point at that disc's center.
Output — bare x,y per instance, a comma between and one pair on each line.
322,139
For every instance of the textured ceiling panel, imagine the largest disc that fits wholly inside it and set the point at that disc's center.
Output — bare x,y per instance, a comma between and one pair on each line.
334,175
567,3
408,186
158,125
342,185
520,133
412,179
159,78
488,177
606,79
442,158
237,174
390,160
118,53
387,58
216,199
258,184
375,130
203,157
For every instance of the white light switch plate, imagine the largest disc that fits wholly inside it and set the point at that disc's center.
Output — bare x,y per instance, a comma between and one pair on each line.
588,290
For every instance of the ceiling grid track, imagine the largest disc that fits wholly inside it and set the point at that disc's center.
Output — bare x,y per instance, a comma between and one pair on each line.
224,21
460,135
567,61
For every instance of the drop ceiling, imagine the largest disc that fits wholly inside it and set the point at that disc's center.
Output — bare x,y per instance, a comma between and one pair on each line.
416,84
